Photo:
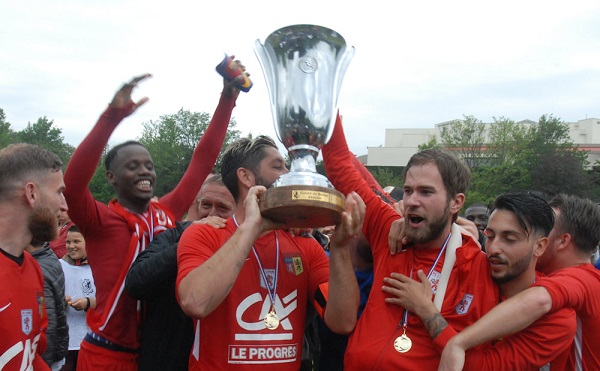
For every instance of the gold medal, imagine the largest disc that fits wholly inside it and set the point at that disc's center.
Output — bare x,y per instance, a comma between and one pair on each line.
402,343
271,320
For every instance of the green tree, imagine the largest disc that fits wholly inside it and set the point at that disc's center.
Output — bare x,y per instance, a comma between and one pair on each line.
506,138
172,139
99,186
388,175
431,143
467,138
44,134
555,163
518,156
7,135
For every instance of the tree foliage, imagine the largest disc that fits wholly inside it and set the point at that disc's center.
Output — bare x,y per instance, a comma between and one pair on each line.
172,139
7,135
43,133
518,156
467,138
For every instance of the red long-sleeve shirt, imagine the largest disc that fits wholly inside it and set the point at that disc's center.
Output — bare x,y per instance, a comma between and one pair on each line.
107,234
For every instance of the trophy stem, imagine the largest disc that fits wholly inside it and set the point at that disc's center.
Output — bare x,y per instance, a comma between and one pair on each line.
303,158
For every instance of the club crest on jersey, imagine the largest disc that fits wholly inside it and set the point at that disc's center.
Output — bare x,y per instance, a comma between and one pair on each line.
270,274
294,264
41,300
86,286
26,321
435,281
465,303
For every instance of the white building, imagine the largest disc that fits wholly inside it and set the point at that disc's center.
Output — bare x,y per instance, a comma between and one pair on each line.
401,144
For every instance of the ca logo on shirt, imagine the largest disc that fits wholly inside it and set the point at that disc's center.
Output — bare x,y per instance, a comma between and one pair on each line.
26,321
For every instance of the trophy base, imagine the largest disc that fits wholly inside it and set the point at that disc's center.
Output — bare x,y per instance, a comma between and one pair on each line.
303,206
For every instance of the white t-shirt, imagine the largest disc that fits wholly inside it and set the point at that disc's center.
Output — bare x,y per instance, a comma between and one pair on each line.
79,283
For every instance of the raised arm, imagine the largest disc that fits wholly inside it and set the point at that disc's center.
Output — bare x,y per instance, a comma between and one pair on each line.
346,178
82,165
205,155
344,296
203,288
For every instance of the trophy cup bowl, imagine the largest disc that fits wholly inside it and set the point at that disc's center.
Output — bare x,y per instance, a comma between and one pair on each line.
304,66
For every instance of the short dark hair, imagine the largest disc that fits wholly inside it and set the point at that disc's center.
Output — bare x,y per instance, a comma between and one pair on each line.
246,153
532,212
73,228
23,162
579,217
455,173
112,153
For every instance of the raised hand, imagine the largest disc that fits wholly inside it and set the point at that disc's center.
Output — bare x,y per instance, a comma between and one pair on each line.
122,98
212,220
231,88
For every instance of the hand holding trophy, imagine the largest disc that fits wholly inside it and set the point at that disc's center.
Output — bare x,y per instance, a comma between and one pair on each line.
304,66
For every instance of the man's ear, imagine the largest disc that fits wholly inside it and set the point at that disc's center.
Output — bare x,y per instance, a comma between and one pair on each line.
246,177
564,240
540,246
31,193
110,177
457,203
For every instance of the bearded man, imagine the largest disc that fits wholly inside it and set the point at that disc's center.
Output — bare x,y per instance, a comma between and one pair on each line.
31,197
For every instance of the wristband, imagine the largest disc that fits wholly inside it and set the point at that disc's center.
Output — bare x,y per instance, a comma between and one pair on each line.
88,304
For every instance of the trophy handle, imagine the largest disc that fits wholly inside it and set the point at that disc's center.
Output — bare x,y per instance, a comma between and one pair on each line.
269,72
341,72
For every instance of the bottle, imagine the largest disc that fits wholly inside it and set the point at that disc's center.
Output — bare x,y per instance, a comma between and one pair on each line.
230,69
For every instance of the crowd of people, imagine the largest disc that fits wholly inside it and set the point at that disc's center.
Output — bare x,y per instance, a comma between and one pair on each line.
198,279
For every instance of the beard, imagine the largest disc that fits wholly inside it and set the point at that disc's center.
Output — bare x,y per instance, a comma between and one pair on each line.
259,180
43,225
513,271
431,230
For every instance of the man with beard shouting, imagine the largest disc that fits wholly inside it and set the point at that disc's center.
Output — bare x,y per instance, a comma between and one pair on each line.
388,336
31,198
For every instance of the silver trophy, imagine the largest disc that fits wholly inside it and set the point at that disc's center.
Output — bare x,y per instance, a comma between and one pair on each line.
304,66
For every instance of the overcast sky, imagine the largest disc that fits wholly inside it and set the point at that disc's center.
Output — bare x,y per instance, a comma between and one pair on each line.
416,63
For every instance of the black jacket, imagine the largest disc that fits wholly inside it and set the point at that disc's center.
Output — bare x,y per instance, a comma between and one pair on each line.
167,333
57,333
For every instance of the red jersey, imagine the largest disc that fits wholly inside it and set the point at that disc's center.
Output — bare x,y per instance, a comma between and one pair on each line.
108,235
233,336
23,318
578,287
547,341
469,295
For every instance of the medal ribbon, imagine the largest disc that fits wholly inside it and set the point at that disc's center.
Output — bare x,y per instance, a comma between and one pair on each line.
272,291
405,315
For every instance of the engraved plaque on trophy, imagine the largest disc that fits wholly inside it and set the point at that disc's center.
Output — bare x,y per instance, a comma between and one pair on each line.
304,66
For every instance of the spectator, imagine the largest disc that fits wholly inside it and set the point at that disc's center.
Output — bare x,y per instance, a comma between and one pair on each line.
31,196
116,233
479,214
167,332
249,285
80,292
